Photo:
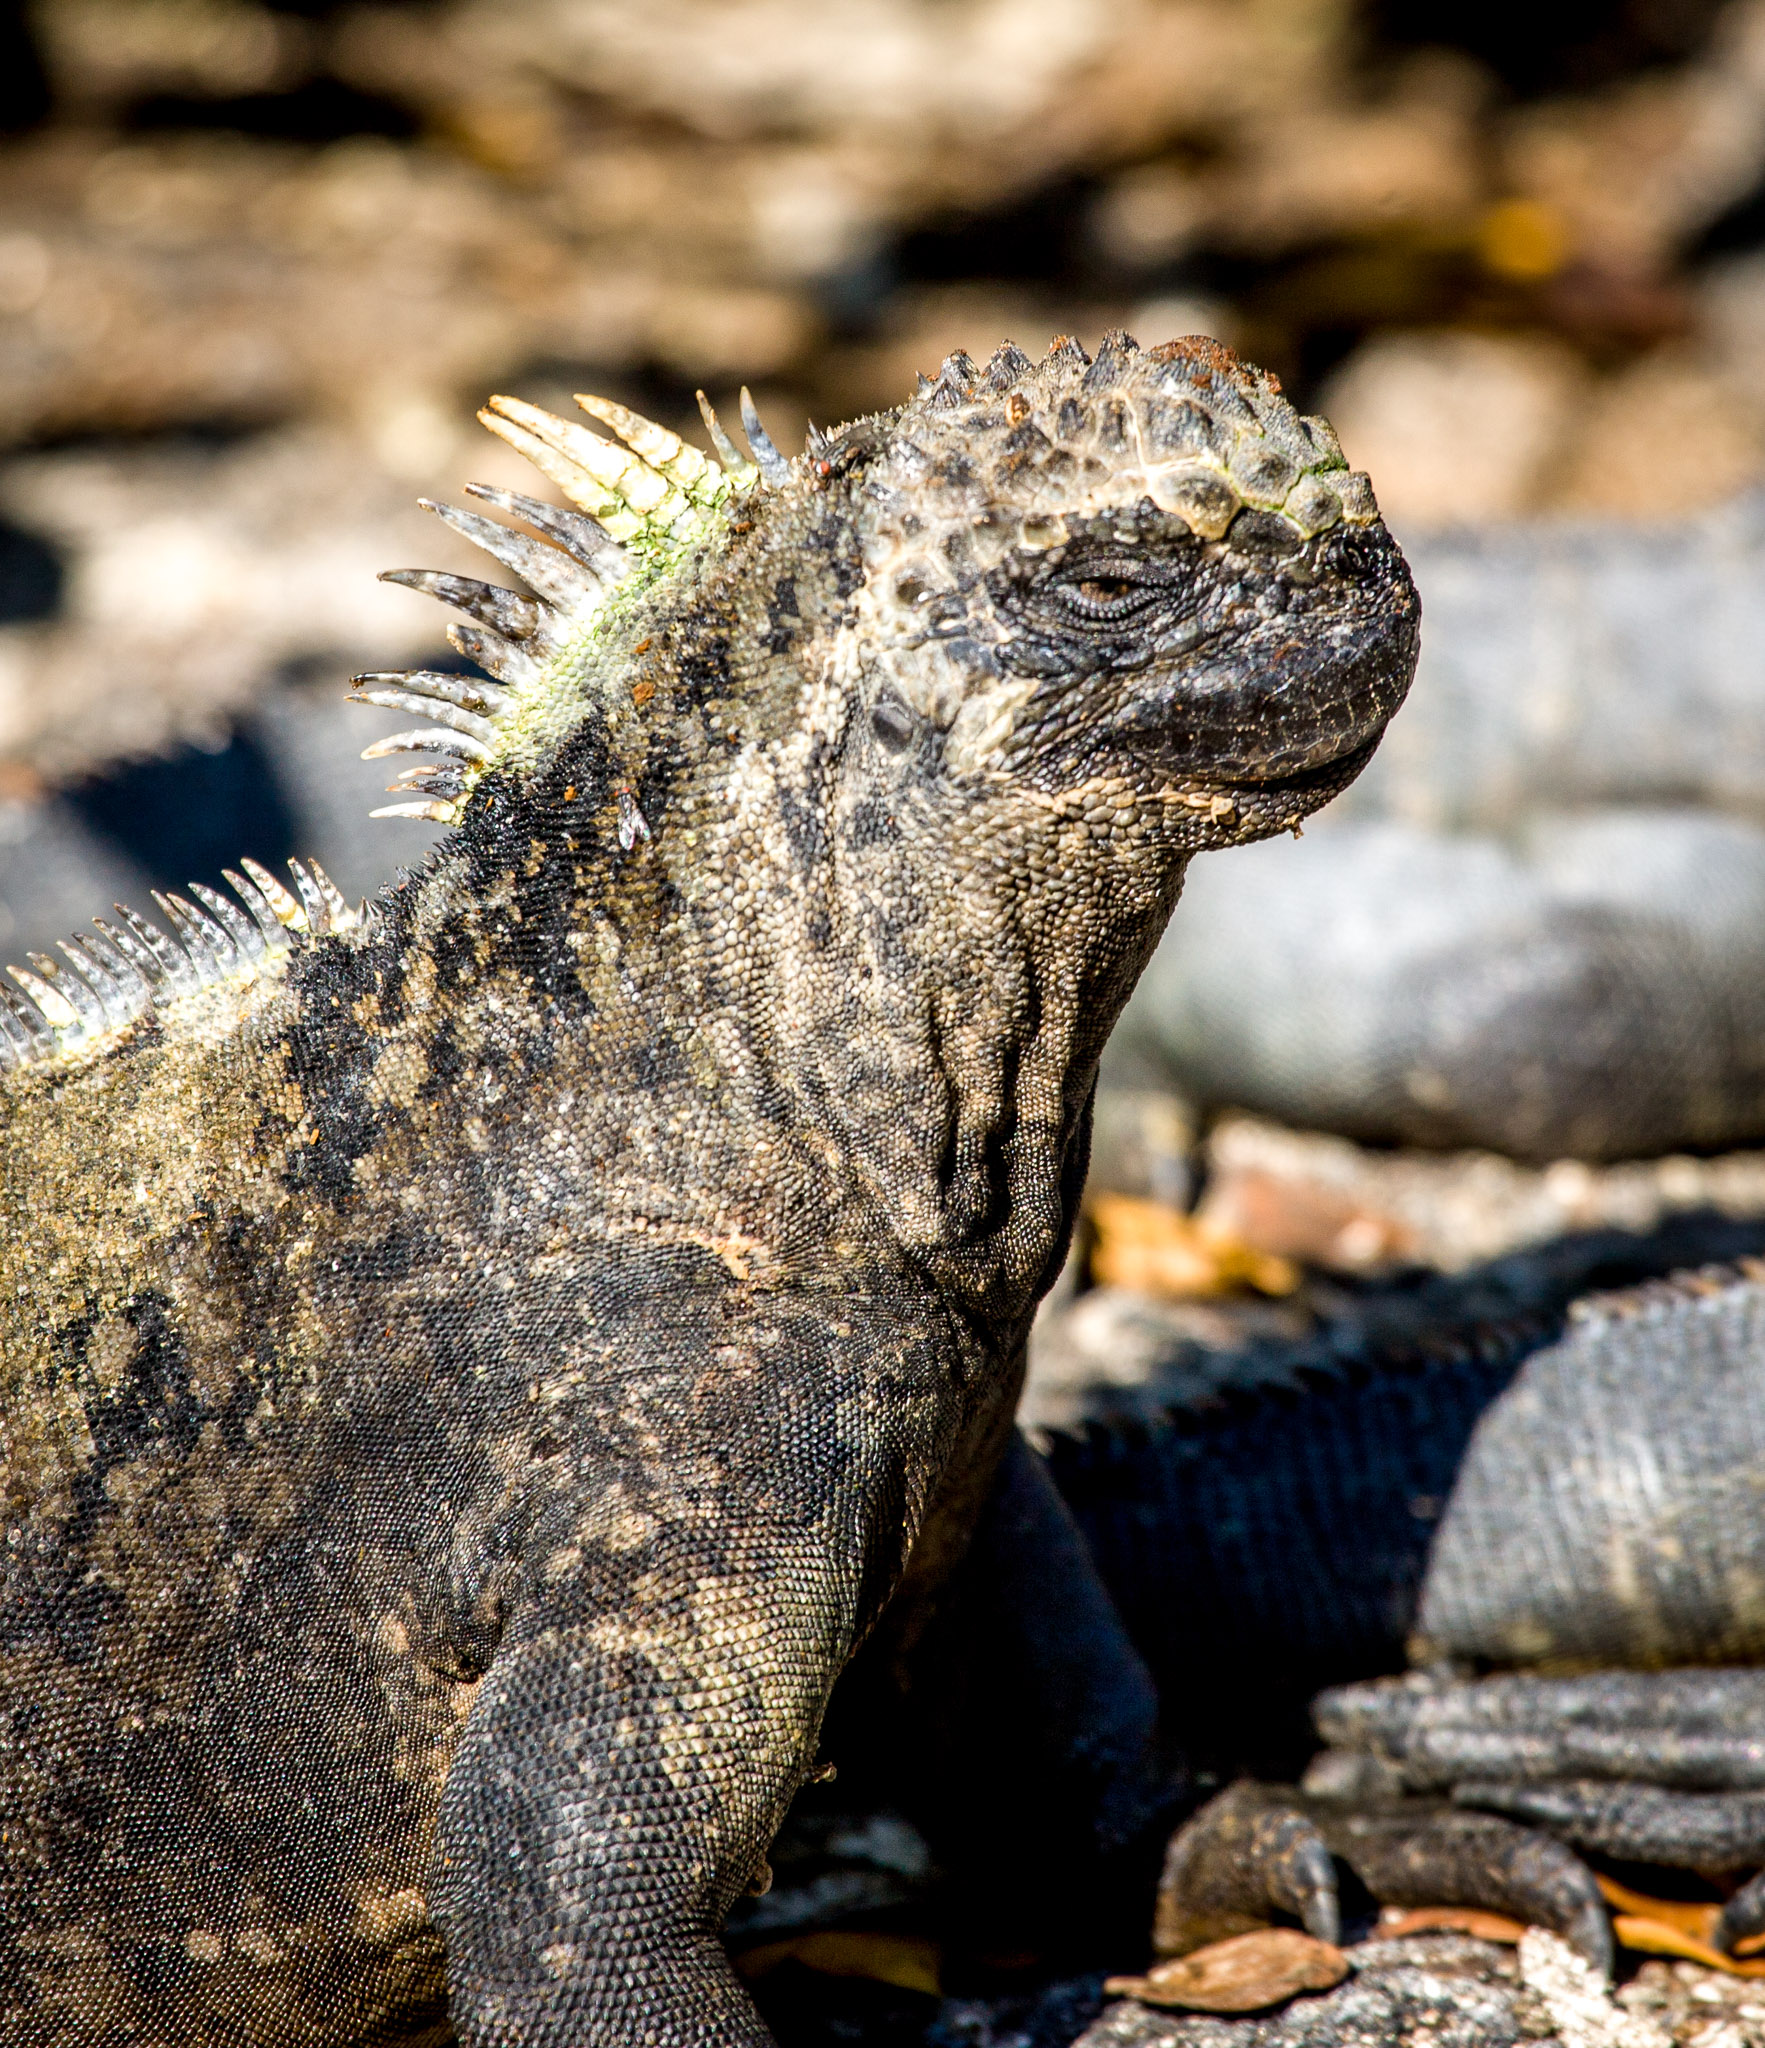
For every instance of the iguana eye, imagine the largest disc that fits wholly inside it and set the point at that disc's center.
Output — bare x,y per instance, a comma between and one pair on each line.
1105,596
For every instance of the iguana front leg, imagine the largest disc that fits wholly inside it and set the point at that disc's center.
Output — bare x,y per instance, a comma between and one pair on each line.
606,1807
704,1548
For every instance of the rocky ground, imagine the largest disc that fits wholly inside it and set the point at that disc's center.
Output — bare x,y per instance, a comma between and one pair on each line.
1436,1990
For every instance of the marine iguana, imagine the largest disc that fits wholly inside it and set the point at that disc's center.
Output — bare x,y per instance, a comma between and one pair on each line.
1555,1500
477,1367
1283,1505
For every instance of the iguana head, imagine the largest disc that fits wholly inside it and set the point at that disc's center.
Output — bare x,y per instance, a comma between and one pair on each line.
1144,574
876,769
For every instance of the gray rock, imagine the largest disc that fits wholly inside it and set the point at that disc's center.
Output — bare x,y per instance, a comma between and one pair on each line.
1593,988
1579,663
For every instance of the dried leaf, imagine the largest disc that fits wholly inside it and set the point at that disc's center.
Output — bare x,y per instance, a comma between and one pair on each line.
1687,1915
1156,1249
1244,1974
1396,1921
1656,1938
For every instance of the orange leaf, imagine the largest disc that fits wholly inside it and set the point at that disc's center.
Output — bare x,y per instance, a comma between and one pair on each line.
1156,1249
1244,1974
1396,1921
1656,1938
1689,1916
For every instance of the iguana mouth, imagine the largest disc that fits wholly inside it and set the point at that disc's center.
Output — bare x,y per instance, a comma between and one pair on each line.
1315,775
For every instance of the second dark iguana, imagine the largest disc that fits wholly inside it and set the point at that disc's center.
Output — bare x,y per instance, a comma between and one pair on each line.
472,1377
1552,1492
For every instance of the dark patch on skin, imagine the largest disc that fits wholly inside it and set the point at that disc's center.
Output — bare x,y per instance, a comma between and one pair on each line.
1180,429
803,817
701,666
151,1413
154,1409
345,1124
1113,431
784,621
872,823
448,1065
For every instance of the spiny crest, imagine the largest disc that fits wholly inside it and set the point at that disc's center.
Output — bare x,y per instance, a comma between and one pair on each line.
645,501
1712,1285
130,968
640,505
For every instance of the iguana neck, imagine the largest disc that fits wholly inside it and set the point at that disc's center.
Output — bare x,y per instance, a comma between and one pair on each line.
751,998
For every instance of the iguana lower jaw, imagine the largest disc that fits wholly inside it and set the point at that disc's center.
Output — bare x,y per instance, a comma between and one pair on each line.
1254,807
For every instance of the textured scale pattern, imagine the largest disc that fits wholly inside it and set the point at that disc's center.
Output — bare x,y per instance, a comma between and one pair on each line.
467,1390
1646,1544
1292,1521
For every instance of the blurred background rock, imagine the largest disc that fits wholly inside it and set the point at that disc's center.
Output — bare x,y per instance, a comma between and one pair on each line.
258,262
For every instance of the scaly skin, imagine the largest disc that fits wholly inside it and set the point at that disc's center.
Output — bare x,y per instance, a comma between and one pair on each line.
468,1390
1598,1556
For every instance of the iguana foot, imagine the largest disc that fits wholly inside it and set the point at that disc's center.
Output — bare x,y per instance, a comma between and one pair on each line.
1247,1855
1261,1850
1663,1768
